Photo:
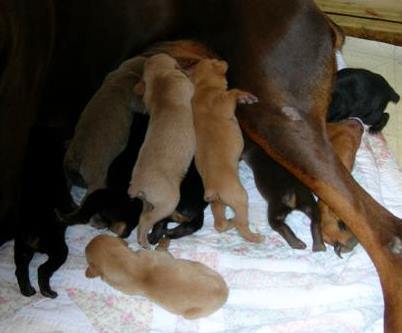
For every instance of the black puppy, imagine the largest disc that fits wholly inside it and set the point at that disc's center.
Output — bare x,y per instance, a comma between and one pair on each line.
121,213
41,193
362,94
284,193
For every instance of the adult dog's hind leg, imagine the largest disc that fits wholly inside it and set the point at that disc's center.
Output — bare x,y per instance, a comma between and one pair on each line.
307,153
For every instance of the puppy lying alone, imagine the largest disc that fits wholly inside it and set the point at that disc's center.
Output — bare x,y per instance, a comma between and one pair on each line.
169,143
220,144
184,287
362,94
103,129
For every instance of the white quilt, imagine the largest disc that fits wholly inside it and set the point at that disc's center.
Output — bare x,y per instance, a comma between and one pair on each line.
273,288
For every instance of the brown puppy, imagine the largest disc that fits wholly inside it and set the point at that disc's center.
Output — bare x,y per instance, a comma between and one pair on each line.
345,137
169,144
219,144
103,129
184,287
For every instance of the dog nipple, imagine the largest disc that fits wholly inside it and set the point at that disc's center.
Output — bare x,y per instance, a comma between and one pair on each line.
396,245
292,113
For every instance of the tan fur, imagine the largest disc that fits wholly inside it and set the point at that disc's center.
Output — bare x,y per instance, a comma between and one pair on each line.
169,144
219,145
345,137
184,287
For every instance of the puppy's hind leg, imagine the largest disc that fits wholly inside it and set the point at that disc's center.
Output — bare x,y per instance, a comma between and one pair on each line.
238,201
57,256
22,257
277,213
150,215
221,224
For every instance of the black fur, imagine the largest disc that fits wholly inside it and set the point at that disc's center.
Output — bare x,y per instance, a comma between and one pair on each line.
38,229
114,205
284,193
362,94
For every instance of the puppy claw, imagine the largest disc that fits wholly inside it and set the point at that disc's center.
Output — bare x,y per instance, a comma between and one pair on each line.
247,98
338,249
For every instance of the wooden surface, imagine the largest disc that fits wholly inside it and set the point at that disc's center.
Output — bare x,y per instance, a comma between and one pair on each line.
371,19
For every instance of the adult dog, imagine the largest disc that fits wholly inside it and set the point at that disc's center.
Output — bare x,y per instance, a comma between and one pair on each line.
283,51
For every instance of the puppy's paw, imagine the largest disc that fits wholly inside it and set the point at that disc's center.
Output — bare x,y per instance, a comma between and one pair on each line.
246,98
28,291
320,247
297,244
255,238
49,293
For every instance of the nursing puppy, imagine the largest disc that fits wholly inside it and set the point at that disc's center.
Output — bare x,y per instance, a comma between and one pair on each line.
362,94
169,143
184,287
103,129
284,193
345,137
219,144
44,234
121,214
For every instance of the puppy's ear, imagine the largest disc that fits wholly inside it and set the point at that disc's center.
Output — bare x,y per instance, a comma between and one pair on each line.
139,88
221,67
91,272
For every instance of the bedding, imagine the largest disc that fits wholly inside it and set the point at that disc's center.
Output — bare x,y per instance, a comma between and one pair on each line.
273,288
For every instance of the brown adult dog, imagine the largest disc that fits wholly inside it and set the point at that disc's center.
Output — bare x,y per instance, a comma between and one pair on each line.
103,129
345,137
184,287
169,144
283,51
219,144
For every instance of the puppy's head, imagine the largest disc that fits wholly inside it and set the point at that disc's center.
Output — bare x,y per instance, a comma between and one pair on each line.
335,232
158,63
210,70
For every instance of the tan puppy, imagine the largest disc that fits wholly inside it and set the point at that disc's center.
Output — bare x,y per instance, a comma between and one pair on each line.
345,137
169,144
184,287
220,144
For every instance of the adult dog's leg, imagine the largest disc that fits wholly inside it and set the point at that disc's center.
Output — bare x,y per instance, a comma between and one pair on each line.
290,68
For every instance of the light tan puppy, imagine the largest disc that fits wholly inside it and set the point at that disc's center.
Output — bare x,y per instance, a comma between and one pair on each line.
220,144
184,287
169,144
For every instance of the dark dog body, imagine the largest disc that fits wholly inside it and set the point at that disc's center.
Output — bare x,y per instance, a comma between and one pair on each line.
362,94
283,51
44,234
121,213
284,193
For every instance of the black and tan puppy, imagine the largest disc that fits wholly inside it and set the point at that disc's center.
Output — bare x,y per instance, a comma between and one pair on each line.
284,193
121,213
361,94
44,234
